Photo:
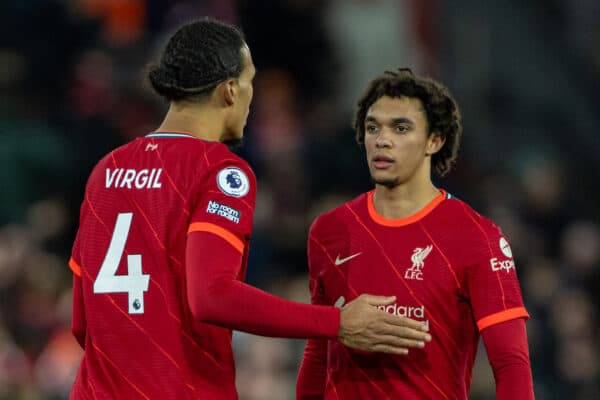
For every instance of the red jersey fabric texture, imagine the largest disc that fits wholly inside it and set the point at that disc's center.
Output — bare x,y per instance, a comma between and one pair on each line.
447,265
131,313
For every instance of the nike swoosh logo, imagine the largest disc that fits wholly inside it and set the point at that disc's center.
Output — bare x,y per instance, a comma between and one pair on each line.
340,261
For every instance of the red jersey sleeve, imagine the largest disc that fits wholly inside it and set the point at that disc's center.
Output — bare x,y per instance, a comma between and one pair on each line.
508,353
492,283
313,370
226,200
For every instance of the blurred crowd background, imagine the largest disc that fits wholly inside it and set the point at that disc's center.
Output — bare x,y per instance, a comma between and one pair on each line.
526,74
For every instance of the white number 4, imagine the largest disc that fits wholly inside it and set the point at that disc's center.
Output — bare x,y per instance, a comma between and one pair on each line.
134,283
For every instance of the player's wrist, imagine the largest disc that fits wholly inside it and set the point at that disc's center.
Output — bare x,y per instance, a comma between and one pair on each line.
336,322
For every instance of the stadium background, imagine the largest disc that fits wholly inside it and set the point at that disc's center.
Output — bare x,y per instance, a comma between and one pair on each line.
526,74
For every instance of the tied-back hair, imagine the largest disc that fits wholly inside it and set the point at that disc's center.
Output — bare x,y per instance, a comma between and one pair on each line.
198,57
442,112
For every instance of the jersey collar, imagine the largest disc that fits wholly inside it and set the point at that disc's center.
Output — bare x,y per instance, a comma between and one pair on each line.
170,134
380,219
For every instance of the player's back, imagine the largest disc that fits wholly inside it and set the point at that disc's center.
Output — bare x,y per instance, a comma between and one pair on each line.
141,340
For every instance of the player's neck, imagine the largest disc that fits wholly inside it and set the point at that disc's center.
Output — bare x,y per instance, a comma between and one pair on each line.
202,122
403,200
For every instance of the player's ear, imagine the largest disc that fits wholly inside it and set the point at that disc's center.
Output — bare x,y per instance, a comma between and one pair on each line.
435,142
229,91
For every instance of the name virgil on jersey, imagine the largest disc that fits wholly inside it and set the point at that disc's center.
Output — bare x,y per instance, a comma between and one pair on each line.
130,178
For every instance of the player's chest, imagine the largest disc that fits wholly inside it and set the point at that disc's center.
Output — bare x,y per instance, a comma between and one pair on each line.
410,265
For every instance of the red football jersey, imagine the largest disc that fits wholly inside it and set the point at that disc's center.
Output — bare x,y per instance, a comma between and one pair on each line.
447,265
141,201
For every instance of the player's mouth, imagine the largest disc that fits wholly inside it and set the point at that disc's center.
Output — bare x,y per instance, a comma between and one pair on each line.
382,162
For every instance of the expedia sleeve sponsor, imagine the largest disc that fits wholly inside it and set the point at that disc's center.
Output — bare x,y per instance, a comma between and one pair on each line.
505,263
224,211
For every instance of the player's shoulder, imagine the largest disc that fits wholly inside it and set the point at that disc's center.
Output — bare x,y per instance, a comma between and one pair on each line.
209,156
233,173
219,155
462,214
336,217
111,159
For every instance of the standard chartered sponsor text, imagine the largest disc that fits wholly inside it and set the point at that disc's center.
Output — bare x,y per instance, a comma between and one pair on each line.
417,313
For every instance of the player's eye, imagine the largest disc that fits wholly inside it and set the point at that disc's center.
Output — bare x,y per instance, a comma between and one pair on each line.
371,128
401,128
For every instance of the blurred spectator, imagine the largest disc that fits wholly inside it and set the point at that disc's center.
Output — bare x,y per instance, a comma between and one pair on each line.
122,20
264,368
369,37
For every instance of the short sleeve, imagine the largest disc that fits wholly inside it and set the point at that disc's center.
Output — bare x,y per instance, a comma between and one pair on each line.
226,201
492,283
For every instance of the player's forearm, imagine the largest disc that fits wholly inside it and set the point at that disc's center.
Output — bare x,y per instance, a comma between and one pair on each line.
313,371
239,306
217,297
506,346
514,382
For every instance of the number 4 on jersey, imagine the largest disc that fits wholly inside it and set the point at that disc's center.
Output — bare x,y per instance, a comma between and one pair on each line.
134,283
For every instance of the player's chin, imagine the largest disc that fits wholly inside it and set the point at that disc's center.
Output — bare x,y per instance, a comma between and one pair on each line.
386,181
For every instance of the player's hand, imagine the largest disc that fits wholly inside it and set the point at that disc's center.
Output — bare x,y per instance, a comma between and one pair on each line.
364,327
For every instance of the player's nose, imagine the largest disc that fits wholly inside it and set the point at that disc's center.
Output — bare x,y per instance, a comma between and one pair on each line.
383,139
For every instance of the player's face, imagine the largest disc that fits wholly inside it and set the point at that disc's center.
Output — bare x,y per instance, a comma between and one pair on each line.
397,141
245,93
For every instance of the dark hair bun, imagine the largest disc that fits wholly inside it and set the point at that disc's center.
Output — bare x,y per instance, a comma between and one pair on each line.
197,57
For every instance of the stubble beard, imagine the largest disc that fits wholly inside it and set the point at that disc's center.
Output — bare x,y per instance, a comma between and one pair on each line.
387,182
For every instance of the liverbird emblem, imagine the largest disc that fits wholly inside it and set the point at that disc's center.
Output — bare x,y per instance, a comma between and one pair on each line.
417,259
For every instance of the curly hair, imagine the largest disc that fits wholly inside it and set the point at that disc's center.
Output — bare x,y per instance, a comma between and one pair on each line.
441,110
199,56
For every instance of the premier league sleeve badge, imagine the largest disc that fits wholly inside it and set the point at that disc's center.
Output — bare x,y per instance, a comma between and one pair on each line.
233,182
